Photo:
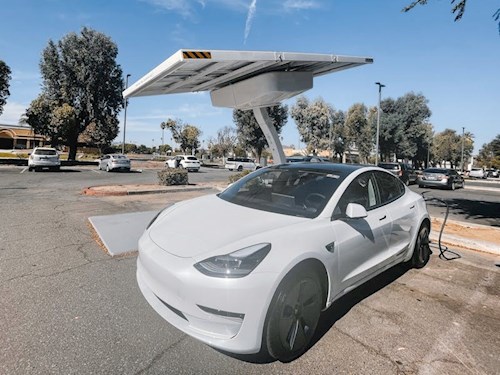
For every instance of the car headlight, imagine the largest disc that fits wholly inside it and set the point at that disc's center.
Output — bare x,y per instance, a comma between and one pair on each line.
234,265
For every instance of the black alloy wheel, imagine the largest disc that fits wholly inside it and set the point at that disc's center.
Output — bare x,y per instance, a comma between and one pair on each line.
422,250
293,315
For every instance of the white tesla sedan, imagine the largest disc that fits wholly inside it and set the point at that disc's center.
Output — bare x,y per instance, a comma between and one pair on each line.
304,234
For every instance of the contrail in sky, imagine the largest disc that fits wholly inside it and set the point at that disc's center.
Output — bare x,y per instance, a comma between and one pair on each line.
251,14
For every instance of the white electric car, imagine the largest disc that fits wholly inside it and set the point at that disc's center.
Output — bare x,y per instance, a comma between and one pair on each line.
306,234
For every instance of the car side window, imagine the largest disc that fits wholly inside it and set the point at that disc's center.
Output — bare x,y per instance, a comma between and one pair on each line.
390,187
362,190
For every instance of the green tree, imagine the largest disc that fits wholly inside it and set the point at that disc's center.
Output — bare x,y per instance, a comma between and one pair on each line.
359,132
250,134
458,9
404,127
186,135
224,142
447,147
79,72
4,84
338,136
489,154
314,122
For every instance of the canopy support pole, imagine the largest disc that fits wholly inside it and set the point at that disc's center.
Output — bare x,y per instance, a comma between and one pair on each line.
266,124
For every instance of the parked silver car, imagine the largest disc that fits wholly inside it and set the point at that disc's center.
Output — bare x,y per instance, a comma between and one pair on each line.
44,157
441,177
112,162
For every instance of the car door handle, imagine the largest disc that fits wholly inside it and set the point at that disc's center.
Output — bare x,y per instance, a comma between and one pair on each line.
382,218
412,207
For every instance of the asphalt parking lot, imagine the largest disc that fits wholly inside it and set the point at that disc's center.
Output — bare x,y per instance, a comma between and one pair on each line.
68,308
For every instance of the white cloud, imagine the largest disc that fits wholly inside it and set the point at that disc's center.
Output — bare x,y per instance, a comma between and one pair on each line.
250,16
182,7
301,4
12,112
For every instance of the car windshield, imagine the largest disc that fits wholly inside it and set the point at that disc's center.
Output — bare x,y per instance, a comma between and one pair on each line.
300,192
45,152
119,157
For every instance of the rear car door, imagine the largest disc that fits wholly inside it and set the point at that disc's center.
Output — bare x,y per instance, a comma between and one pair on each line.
361,243
401,210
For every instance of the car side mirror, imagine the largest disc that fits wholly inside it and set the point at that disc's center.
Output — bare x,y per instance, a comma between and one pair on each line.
355,211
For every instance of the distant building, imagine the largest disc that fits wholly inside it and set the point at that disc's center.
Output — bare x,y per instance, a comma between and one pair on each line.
19,137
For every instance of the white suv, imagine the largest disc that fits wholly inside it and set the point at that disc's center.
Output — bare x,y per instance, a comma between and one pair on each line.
44,157
238,164
477,173
188,162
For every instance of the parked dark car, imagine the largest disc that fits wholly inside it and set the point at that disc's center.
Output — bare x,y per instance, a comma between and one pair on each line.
404,171
441,177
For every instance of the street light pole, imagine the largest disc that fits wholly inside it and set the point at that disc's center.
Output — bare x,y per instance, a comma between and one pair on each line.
462,162
163,126
378,120
125,116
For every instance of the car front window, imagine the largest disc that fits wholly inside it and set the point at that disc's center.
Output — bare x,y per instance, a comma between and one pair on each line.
289,191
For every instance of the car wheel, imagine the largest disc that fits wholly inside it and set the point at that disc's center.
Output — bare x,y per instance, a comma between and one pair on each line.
293,315
108,169
422,251
452,187
30,169
463,184
240,168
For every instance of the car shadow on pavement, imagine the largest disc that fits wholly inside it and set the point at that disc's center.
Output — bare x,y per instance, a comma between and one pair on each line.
345,303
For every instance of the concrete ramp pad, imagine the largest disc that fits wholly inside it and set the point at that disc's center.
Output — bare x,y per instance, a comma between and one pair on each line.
120,233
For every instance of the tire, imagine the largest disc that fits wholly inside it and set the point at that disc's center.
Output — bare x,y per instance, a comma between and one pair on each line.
422,251
452,186
463,184
240,168
30,169
107,168
293,315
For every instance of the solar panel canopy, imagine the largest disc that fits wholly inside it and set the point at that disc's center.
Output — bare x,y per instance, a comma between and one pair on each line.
210,70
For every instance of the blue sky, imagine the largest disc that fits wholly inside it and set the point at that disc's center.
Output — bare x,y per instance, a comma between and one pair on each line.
455,65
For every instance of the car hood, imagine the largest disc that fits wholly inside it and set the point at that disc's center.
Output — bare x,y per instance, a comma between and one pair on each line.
208,224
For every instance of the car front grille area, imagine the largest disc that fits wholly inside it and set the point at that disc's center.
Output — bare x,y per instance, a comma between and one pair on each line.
221,313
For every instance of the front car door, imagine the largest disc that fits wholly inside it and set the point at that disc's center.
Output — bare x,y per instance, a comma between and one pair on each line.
361,243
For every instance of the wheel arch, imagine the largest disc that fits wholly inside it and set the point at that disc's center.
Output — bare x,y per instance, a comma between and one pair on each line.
318,268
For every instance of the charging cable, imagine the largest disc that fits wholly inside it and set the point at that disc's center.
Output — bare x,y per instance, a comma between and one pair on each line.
443,249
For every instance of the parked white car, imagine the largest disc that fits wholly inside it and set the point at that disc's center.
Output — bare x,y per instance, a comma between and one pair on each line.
239,164
477,173
44,157
113,162
188,162
312,232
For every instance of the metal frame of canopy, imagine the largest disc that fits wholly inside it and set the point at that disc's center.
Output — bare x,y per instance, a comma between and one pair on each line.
243,80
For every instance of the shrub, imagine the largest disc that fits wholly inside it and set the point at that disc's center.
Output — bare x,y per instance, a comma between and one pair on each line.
237,176
172,176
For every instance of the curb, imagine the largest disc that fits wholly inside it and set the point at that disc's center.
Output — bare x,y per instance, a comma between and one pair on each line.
464,242
102,191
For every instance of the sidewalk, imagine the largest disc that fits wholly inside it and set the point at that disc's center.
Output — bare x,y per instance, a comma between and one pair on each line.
456,234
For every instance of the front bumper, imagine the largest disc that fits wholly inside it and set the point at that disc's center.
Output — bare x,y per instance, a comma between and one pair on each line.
228,314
